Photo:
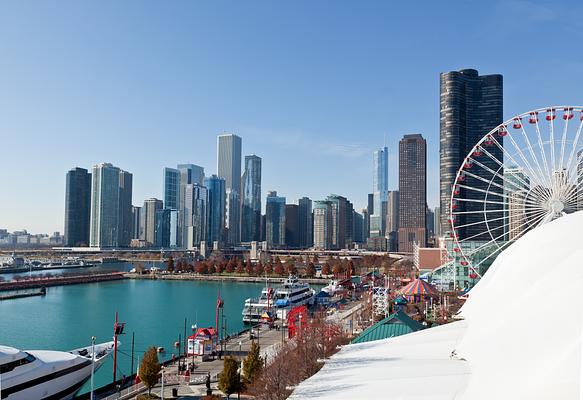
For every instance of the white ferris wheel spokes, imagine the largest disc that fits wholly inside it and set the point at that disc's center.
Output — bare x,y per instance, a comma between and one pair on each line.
524,173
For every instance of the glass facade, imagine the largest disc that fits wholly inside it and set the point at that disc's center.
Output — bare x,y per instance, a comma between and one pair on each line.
105,201
77,207
251,202
229,168
171,188
196,214
216,208
275,220
380,191
305,224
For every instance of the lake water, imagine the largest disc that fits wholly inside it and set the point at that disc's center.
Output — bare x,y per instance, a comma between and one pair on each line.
68,316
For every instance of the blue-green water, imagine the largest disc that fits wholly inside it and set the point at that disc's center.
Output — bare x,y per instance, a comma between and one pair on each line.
68,316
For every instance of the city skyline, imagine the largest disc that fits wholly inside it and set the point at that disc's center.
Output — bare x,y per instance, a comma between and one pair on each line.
336,109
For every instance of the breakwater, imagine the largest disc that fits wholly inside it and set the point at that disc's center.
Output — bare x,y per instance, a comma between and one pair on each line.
221,278
60,280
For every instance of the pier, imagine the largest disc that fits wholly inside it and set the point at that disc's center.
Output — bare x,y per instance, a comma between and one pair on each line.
18,294
60,281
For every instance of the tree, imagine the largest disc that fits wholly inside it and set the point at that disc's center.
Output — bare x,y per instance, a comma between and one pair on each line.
337,269
239,268
229,378
291,268
249,267
326,269
268,269
219,267
230,267
278,269
253,363
170,264
202,268
258,269
311,270
315,260
150,368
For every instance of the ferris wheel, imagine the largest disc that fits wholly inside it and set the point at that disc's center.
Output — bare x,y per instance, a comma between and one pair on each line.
524,173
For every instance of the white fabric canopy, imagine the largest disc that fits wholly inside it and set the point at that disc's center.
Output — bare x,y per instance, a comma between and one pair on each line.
520,337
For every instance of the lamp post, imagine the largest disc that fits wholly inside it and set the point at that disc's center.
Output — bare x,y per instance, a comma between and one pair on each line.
162,391
92,365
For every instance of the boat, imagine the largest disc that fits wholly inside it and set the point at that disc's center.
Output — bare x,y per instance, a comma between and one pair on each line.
331,288
44,374
291,294
255,308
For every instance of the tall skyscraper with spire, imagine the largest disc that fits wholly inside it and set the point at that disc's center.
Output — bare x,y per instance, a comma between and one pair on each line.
229,168
380,181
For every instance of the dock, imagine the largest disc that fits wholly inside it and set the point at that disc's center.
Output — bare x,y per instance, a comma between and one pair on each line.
18,294
60,281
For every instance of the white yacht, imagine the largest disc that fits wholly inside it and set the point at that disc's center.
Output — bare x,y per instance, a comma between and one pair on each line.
291,294
255,308
47,375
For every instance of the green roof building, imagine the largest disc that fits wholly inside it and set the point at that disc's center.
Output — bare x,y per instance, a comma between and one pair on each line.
396,324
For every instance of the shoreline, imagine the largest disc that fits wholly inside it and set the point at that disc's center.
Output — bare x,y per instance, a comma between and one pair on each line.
219,278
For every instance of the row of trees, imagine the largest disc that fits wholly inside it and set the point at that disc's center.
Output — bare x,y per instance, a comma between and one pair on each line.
232,379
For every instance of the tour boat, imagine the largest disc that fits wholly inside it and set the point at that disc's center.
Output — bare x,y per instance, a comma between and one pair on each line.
255,308
47,375
291,294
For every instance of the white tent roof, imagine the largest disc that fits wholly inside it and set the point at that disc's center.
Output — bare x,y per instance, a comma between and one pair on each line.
521,337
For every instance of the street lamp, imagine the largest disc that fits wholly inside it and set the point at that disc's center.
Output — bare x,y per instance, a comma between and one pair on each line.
92,364
162,391
240,344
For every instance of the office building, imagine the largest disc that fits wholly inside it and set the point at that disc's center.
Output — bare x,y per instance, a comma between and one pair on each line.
110,214
251,202
171,188
365,224
380,191
166,228
149,210
340,220
436,222
136,222
516,190
470,107
190,174
216,208
305,223
229,168
125,209
275,220
412,192
196,215
77,207
392,230
322,225
358,227
292,223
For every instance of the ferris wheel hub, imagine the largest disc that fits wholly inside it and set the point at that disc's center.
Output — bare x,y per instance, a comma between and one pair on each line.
556,206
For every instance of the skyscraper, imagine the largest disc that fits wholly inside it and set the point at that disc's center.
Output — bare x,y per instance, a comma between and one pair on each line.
322,225
275,220
470,107
189,174
358,224
166,228
292,226
380,190
136,222
149,210
171,188
77,207
412,192
216,208
229,168
392,230
105,227
196,215
125,208
516,190
251,207
305,222
339,206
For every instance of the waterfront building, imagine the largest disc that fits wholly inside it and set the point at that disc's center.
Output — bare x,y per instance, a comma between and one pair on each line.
229,168
358,227
77,207
166,228
216,208
470,107
305,223
110,214
171,188
149,210
275,220
392,220
136,222
380,191
322,225
412,192
251,202
292,226
195,215
125,208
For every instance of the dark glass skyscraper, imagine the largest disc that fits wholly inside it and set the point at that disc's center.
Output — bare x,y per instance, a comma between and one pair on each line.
412,192
305,224
215,209
251,205
275,220
470,107
77,207
125,208
171,188
291,226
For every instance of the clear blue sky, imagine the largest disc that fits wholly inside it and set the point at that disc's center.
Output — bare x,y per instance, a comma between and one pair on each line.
312,87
